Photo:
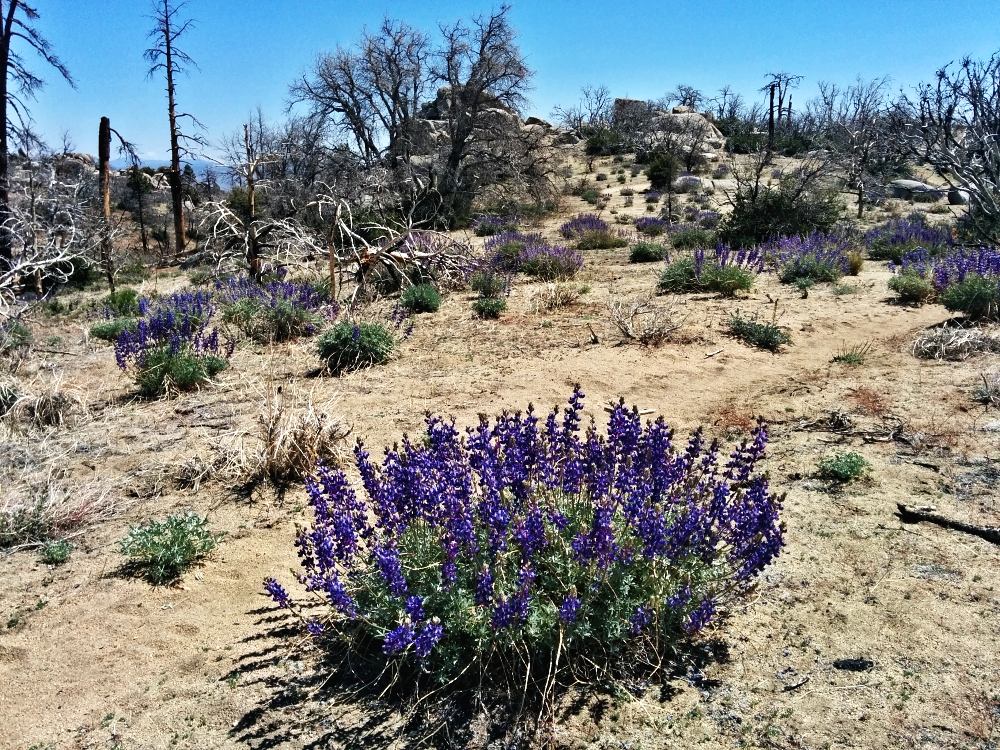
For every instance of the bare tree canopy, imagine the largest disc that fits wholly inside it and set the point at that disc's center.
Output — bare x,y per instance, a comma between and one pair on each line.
19,86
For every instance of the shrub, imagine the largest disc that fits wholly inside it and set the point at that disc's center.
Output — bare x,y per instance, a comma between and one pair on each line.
162,550
843,467
759,216
275,311
600,240
110,330
647,252
767,336
352,346
817,257
122,303
487,225
550,262
897,237
855,262
688,239
912,288
504,251
726,272
489,308
651,226
489,283
581,225
171,348
976,296
56,553
421,298
529,536
652,197
726,279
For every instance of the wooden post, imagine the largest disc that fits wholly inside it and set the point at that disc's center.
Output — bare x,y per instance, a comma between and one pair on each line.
104,182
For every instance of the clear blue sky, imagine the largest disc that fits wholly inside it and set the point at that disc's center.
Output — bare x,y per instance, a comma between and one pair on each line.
250,50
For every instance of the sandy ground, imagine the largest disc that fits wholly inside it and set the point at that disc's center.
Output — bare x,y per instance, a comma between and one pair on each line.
90,658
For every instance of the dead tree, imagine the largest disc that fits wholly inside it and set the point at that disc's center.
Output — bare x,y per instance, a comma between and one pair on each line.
165,56
108,230
18,85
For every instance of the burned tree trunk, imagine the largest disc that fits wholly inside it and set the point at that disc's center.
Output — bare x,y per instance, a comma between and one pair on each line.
104,183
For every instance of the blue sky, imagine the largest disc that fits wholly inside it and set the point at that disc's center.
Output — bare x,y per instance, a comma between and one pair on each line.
250,50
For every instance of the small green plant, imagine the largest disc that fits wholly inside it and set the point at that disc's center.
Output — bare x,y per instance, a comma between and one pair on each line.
14,335
600,240
122,303
591,196
976,296
164,370
841,290
804,285
767,336
726,280
818,270
56,553
352,346
162,550
855,356
110,330
911,288
421,298
488,283
489,308
843,467
647,252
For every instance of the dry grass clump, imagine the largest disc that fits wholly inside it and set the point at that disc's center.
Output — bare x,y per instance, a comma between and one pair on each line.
554,295
32,514
55,406
950,343
638,319
289,441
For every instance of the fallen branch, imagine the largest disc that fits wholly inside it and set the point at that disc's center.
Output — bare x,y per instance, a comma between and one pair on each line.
910,514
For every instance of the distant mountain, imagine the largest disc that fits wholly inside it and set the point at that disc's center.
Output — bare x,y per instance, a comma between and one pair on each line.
200,166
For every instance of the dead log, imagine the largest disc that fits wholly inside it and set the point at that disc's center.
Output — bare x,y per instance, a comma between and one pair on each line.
911,514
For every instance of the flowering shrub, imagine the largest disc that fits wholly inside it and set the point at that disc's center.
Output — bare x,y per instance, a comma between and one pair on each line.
503,251
816,256
487,225
528,535
726,271
965,281
171,346
577,227
550,262
898,237
276,311
651,226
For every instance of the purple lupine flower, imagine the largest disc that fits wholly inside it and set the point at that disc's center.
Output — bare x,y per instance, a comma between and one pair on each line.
277,592
581,225
428,637
414,607
700,616
398,639
569,609
315,628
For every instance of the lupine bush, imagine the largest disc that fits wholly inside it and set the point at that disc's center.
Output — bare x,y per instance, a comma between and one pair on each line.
531,536
421,298
110,330
898,237
489,308
912,288
647,252
817,256
550,262
602,240
122,303
351,345
766,335
966,281
651,226
726,271
577,227
275,311
688,238
490,283
487,225
162,550
843,467
503,251
172,348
